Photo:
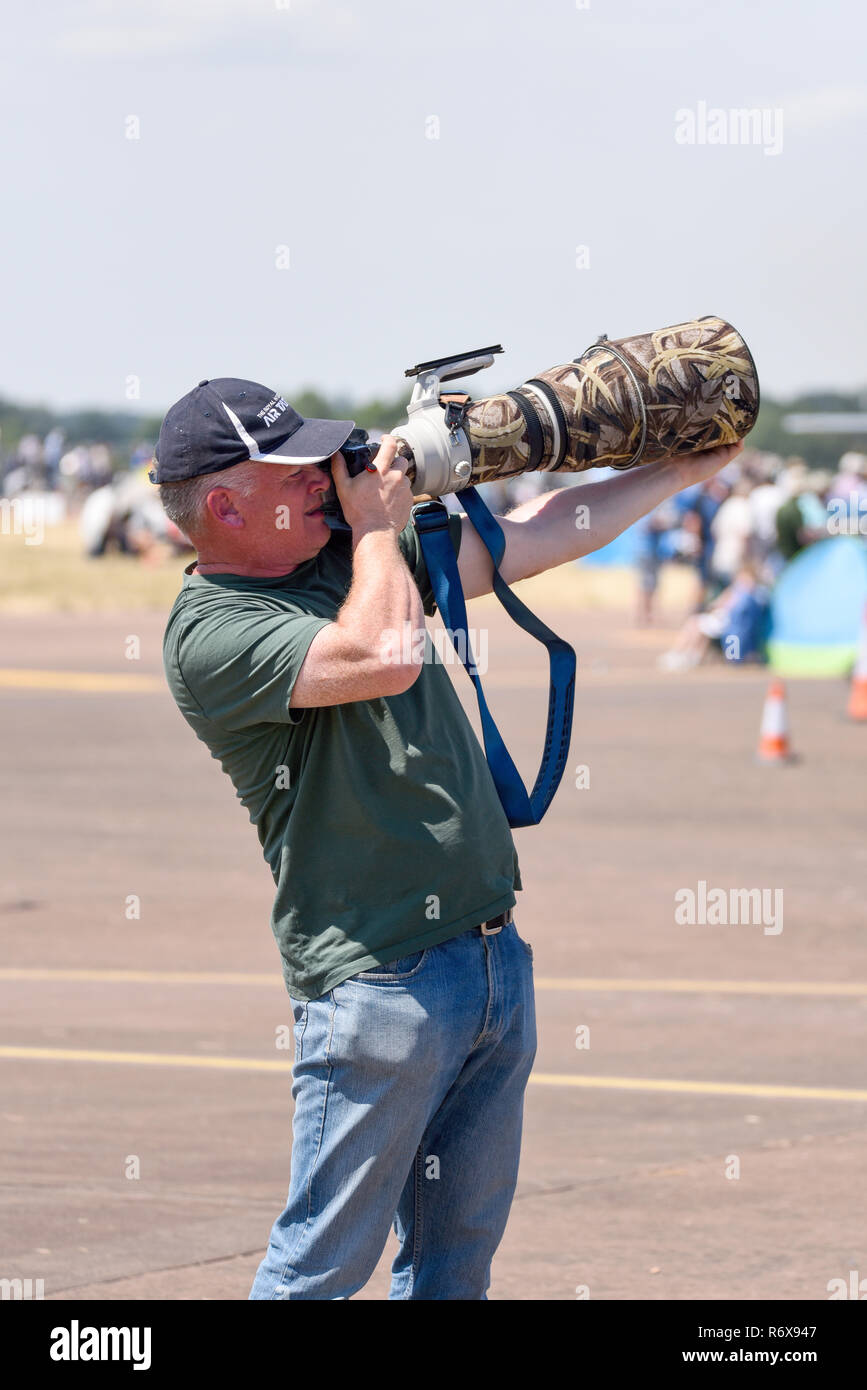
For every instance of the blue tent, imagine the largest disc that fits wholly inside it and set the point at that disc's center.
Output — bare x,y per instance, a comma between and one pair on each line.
817,607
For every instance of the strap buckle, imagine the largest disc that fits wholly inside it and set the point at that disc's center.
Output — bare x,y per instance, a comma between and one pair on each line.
430,516
496,924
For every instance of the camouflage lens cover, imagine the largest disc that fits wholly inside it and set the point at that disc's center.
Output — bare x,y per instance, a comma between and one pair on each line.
681,390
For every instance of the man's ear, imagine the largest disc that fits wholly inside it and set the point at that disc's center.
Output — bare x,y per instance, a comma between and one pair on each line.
223,509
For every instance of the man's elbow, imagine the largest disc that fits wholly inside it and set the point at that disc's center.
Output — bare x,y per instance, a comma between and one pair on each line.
401,676
392,669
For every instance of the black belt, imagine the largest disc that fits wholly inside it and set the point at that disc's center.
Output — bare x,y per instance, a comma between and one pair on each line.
497,923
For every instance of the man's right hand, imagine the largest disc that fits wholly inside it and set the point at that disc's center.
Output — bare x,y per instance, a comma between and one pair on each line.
354,657
379,500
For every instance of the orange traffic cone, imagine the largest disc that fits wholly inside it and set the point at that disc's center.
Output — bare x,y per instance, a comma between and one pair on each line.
774,746
857,707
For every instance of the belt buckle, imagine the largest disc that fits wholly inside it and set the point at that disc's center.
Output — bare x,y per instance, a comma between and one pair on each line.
488,930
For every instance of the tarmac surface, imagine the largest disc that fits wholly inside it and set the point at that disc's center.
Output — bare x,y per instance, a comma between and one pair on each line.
709,1143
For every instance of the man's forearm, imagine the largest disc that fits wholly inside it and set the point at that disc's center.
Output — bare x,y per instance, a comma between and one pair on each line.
565,524
383,595
363,655
573,521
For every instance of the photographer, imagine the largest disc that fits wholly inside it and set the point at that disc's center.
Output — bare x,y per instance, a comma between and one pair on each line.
394,864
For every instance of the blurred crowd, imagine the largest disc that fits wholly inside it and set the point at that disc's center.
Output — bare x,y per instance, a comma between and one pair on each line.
46,465
737,531
118,508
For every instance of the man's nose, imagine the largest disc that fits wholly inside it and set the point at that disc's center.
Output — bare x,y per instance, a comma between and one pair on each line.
322,481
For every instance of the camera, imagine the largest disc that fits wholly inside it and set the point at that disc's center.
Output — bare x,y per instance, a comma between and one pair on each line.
358,453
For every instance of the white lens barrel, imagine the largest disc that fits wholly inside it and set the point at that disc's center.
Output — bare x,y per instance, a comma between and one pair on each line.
443,460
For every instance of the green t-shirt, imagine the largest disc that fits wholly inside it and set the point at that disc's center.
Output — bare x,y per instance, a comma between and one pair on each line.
379,818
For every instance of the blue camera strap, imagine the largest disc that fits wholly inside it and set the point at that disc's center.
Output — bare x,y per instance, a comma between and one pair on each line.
432,524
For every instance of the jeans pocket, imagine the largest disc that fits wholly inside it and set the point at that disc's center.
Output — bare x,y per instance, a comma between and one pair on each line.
394,970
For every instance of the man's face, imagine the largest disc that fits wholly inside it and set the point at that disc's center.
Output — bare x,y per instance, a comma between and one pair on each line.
283,520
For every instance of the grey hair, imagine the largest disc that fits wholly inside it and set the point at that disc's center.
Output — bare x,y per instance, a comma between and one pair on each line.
184,503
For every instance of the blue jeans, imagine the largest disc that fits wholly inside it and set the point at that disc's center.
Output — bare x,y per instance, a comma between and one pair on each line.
409,1086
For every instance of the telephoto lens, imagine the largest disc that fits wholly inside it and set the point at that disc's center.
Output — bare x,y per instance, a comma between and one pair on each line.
620,404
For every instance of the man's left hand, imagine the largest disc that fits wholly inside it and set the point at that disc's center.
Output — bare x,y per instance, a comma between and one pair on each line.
697,468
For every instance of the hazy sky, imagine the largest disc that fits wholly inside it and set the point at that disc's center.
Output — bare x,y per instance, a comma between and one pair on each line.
432,170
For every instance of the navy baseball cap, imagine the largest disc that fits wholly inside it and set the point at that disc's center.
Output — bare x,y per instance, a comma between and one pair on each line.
228,421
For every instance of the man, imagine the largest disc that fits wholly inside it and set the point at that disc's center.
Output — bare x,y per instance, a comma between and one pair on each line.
652,535
766,499
396,874
802,518
732,530
699,514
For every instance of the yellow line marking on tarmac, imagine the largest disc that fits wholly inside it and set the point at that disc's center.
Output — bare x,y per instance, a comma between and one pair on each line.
614,1083
631,675
821,988
146,1059
128,683
85,682
703,1088
161,977
830,989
